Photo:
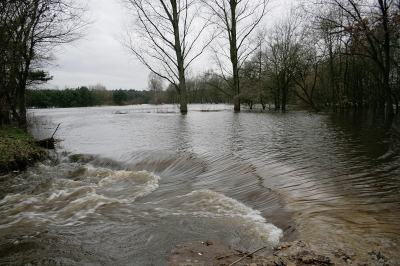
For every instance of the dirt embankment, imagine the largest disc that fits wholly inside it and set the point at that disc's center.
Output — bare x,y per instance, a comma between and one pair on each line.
18,151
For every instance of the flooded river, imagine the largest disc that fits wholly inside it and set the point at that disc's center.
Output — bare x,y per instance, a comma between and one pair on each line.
130,183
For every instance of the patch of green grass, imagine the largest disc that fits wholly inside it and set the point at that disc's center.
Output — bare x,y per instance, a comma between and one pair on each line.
18,150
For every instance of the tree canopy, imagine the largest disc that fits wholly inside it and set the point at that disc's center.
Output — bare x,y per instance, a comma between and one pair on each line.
30,31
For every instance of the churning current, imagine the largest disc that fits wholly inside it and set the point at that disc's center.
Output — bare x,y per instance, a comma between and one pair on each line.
127,184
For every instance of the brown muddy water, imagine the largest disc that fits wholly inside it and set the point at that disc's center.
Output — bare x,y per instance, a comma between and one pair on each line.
128,184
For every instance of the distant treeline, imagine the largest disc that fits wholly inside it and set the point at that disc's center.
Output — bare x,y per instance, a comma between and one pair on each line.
197,92
83,97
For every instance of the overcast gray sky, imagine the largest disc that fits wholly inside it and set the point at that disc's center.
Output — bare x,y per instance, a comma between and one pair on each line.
99,57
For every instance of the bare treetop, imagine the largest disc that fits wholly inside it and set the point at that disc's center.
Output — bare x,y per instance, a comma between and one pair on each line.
151,35
166,36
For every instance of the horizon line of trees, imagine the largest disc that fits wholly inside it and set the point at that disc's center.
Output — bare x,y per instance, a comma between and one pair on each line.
84,97
198,92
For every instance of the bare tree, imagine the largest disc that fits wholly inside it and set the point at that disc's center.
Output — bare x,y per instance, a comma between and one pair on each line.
253,78
236,20
332,43
155,86
370,27
31,30
165,36
283,56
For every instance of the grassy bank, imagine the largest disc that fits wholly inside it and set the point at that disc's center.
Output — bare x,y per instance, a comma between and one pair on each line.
18,150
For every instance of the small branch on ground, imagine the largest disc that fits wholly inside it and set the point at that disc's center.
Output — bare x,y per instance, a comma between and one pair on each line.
49,142
55,131
247,255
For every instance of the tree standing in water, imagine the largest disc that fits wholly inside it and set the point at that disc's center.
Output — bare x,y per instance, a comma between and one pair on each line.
155,86
236,21
165,36
372,30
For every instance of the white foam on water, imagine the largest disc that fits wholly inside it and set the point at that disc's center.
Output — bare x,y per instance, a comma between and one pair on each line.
126,186
69,201
207,203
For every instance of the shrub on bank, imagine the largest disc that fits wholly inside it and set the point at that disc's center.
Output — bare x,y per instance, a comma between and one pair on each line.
18,150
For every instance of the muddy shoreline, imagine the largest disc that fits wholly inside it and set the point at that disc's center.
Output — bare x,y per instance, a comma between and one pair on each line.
293,253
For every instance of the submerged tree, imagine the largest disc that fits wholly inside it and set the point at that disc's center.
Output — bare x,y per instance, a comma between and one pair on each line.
236,21
165,36
292,61
155,86
283,52
371,31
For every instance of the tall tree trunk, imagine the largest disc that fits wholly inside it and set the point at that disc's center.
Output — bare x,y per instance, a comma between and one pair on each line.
234,57
386,71
28,57
284,98
22,121
180,59
183,96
